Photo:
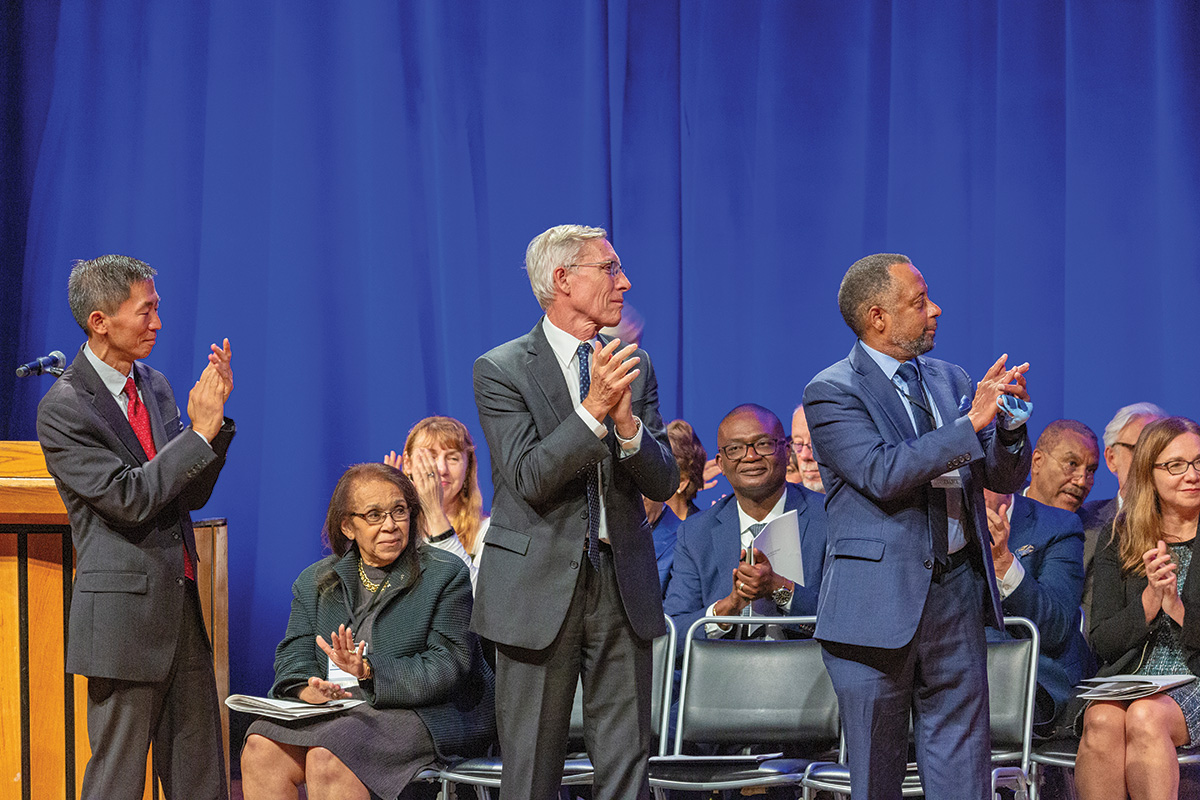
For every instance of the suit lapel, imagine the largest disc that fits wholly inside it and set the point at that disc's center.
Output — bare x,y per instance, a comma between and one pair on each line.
158,430
939,388
726,548
883,391
547,374
106,407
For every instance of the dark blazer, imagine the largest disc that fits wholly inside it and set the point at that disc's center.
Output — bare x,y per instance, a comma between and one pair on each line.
1095,514
1118,627
876,473
129,518
710,546
422,654
1049,544
539,450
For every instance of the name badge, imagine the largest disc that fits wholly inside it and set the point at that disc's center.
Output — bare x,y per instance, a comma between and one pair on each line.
951,480
336,674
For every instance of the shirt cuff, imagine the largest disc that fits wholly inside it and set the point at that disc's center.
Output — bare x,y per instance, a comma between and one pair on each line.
205,438
633,444
1012,579
712,630
595,427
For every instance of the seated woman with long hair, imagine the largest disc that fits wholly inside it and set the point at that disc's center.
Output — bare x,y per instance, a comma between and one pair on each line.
1146,620
439,456
396,615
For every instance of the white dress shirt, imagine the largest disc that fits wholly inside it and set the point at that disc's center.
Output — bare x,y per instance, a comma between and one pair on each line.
565,347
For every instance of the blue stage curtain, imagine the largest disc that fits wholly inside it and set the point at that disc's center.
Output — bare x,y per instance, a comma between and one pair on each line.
346,189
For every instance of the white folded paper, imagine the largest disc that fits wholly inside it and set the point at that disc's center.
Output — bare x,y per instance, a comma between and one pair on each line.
1130,687
286,709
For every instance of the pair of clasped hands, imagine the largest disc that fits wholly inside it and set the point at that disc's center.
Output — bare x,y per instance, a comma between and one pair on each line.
614,369
1162,591
998,381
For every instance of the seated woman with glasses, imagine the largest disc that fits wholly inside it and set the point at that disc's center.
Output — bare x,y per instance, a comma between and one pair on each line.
396,614
1146,620
439,457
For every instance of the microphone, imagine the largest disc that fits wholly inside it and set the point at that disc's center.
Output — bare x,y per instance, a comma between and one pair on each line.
55,361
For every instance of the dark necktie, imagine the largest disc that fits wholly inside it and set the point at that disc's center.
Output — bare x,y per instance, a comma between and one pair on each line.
139,420
593,491
924,423
755,529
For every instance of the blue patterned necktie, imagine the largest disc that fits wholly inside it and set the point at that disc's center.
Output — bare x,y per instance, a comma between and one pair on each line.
923,422
593,490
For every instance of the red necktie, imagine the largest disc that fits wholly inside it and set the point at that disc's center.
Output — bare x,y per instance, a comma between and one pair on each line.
139,420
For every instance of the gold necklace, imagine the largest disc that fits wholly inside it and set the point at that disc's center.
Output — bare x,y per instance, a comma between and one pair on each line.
371,585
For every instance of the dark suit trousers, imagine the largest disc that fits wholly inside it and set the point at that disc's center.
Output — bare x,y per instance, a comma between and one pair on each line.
535,689
180,715
941,675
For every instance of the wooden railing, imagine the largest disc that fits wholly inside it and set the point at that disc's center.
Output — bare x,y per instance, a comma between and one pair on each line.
43,727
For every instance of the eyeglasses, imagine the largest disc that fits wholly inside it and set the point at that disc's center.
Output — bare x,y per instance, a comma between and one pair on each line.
1178,467
1072,468
764,447
1123,444
376,517
613,268
800,446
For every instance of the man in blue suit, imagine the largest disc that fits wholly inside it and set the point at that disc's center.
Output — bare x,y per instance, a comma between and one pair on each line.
710,574
1037,551
906,445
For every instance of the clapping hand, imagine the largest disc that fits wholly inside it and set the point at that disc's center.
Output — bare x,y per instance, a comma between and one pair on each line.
996,381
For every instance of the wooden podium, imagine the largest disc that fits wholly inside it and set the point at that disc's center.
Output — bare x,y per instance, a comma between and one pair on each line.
43,727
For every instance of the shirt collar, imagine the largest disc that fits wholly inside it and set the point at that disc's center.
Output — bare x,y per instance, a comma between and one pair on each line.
745,520
113,380
562,343
886,363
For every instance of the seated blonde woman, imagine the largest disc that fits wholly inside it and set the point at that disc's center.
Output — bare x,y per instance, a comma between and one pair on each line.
396,614
1146,620
439,456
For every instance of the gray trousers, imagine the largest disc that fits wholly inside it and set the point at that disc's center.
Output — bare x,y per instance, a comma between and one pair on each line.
180,716
535,688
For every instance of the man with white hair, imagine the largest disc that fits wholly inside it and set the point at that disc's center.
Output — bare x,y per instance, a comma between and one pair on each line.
1120,436
569,586
806,461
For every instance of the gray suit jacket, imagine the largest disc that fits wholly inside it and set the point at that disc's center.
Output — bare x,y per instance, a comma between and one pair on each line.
129,518
539,450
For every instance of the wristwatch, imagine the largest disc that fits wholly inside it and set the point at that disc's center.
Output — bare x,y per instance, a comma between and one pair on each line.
782,596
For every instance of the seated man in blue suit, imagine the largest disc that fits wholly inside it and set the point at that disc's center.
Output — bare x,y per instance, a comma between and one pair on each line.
1037,552
710,574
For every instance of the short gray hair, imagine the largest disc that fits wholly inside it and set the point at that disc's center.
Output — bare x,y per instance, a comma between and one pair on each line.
866,284
102,284
1125,415
551,249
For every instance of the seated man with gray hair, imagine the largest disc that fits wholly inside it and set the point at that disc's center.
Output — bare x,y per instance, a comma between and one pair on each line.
1120,436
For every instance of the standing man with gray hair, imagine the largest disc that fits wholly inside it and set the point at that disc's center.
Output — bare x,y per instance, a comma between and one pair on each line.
906,444
569,584
129,471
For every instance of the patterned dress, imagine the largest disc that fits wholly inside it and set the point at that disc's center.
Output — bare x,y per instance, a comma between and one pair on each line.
1165,652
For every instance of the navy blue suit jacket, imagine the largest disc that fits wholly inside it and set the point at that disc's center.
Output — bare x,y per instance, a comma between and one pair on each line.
1049,544
877,473
709,547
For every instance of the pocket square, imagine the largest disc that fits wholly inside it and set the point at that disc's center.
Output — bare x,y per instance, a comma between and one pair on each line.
1025,550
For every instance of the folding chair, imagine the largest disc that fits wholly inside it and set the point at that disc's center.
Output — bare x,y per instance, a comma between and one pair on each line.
748,692
484,772
1012,689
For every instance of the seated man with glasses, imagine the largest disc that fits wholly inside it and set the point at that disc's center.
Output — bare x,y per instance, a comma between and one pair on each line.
1064,465
1120,436
711,574
806,460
